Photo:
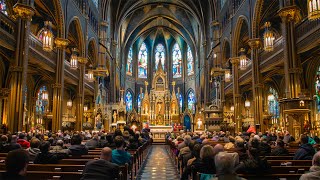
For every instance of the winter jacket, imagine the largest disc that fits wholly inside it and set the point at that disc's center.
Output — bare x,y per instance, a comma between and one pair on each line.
314,174
59,149
78,150
92,143
305,152
6,147
23,143
33,152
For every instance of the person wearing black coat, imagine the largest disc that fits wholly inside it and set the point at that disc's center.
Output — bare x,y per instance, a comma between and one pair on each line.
280,150
45,157
306,151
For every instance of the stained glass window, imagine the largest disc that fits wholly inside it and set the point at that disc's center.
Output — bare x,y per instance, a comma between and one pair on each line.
317,86
129,101
143,61
40,103
129,62
160,53
179,96
190,64
273,103
3,7
177,61
191,101
140,98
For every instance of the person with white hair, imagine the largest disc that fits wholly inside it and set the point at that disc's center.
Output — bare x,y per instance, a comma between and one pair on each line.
225,166
314,172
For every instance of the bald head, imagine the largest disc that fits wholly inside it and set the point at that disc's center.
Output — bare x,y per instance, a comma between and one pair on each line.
106,154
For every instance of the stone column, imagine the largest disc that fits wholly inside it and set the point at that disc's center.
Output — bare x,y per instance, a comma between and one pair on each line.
292,66
236,92
24,12
4,96
59,84
257,85
80,93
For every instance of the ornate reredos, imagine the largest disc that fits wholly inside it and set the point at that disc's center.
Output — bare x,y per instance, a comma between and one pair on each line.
160,81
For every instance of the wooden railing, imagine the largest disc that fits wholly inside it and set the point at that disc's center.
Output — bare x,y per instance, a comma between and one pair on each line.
7,32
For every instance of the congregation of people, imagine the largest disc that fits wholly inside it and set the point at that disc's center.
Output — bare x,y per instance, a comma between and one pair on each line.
49,148
219,155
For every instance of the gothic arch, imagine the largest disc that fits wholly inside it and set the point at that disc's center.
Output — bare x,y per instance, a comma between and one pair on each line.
242,21
79,32
93,52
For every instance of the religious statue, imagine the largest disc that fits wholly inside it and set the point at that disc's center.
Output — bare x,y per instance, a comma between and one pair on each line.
98,121
199,123
114,116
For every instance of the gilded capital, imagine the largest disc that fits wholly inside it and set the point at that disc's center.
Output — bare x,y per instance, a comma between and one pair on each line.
15,69
4,92
56,86
290,13
214,23
295,70
23,11
61,43
235,61
255,43
82,60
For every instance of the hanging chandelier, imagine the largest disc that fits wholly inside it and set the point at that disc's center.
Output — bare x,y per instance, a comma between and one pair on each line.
227,75
47,37
69,103
243,59
74,59
90,75
268,38
85,108
247,103
313,9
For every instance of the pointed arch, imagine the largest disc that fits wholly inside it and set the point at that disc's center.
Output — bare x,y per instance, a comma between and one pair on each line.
129,68
191,100
190,62
129,100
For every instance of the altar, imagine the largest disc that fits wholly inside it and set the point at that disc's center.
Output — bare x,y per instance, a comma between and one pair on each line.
159,132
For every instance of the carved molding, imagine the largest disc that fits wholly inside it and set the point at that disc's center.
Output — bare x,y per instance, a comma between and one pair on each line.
235,61
255,43
61,43
15,69
4,92
56,85
23,11
295,70
290,13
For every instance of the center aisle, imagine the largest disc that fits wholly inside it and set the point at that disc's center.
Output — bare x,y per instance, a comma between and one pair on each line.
158,165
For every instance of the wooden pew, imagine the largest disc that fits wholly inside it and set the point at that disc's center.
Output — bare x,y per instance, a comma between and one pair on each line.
51,167
289,169
294,162
44,175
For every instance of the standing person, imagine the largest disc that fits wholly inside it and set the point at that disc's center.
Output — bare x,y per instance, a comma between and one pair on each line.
102,168
16,165
119,155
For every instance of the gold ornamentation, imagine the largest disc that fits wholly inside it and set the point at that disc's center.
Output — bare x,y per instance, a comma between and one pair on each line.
215,23
4,92
61,43
23,11
254,43
235,61
82,60
290,13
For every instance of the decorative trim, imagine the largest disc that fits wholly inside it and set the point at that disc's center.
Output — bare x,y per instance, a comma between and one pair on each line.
15,69
290,13
23,11
61,43
255,43
295,70
56,85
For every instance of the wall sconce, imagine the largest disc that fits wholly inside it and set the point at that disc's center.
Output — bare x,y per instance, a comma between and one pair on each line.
47,40
268,38
74,59
313,9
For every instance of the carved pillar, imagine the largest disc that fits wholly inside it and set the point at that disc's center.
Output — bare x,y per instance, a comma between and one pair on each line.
58,85
205,85
257,85
236,92
80,93
292,66
4,96
114,64
24,12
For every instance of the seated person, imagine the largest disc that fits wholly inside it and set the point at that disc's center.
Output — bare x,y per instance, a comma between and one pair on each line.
194,160
206,164
22,141
13,143
45,157
306,151
314,172
59,148
241,150
119,155
280,150
225,166
76,148
254,164
102,168
34,149
133,144
94,142
16,165
4,145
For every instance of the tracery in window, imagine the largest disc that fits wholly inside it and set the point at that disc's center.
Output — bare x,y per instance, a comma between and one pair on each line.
176,61
143,61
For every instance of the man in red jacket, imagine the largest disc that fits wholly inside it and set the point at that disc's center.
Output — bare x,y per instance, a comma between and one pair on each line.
22,141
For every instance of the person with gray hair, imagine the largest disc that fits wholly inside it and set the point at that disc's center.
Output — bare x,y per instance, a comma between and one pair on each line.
185,143
59,148
102,168
225,166
314,172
